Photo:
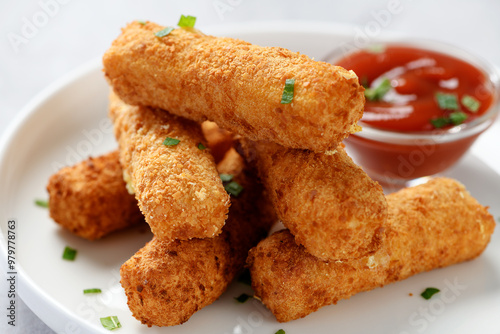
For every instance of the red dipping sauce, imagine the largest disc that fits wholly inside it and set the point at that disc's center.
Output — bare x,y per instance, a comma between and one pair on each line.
423,120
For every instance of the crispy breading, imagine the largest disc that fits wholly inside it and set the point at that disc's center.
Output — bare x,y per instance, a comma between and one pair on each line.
177,187
167,282
219,140
430,226
328,202
90,199
235,84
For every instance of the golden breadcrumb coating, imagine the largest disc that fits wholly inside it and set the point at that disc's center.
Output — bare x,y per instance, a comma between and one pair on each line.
326,201
90,198
235,84
219,140
167,282
430,226
177,187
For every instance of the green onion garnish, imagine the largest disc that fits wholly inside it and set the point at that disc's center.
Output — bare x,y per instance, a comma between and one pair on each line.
187,21
458,117
69,254
440,122
234,188
429,292
287,95
111,323
226,177
164,32
377,93
141,22
42,203
471,103
171,141
242,298
447,101
201,146
87,291
280,331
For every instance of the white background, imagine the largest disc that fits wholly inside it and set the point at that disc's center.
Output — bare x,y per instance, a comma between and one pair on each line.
76,31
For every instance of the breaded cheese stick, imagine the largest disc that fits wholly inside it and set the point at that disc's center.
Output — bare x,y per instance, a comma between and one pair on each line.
167,282
90,198
218,140
235,84
326,201
176,184
430,226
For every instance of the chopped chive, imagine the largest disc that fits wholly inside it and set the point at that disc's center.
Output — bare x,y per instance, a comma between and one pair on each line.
69,253
187,21
111,323
287,95
377,93
42,203
440,122
429,292
458,117
280,331
242,298
201,146
245,277
376,48
226,177
234,188
87,291
447,101
171,141
164,32
141,22
471,103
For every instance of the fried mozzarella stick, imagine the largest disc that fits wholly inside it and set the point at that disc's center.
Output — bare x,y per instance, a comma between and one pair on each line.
90,198
218,140
176,183
327,202
430,226
167,282
235,84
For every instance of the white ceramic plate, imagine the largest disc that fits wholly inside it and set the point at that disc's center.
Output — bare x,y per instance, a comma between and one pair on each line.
68,121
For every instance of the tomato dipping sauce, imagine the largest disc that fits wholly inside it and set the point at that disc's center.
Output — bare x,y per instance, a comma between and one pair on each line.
418,100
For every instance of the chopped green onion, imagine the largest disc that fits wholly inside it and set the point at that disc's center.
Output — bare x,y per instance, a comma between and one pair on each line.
471,103
69,254
245,277
164,32
87,291
458,117
234,188
242,298
201,146
187,21
42,203
280,331
440,122
376,48
377,93
111,323
287,95
447,101
141,22
226,177
429,292
171,141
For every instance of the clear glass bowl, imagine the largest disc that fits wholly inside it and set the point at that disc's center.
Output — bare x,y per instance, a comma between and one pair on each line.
394,158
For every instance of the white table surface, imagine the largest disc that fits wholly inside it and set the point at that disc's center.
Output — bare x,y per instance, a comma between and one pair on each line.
77,31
